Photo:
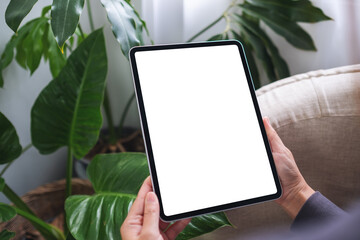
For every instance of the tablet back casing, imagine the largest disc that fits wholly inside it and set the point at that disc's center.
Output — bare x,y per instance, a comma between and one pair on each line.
205,140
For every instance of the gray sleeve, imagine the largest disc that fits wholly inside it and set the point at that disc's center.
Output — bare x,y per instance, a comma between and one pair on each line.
317,208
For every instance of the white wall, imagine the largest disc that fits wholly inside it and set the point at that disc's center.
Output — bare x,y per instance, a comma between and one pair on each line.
20,91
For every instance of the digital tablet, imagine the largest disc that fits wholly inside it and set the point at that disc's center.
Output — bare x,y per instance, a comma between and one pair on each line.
205,140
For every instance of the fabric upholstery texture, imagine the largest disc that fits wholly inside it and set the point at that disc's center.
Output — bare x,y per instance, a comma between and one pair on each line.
317,115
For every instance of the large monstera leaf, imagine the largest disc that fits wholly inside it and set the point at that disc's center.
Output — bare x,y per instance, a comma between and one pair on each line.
67,112
126,23
116,179
10,147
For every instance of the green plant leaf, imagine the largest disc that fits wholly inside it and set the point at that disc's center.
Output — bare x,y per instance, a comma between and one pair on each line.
6,235
33,45
290,30
7,212
275,66
65,16
122,173
67,111
16,12
48,231
297,11
10,147
8,54
32,41
57,60
204,224
250,60
116,179
126,24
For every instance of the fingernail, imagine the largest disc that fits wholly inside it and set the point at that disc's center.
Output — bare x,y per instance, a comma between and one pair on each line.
267,120
151,197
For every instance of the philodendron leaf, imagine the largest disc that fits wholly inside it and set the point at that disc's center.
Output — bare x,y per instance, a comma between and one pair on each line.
204,224
6,235
7,212
10,147
116,179
16,12
126,24
67,111
290,30
297,11
65,16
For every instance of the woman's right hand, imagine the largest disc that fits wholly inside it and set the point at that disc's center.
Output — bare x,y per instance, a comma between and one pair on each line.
295,189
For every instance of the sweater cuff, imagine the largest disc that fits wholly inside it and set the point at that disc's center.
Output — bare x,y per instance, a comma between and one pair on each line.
317,208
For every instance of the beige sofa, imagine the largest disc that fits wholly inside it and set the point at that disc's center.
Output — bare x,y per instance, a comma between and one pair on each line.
317,115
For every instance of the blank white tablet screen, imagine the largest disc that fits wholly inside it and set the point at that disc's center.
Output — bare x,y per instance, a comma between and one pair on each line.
207,144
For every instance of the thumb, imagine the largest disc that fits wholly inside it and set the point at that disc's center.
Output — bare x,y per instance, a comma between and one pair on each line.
275,142
151,214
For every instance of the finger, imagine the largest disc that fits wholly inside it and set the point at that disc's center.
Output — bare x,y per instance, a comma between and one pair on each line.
151,214
274,139
176,228
138,206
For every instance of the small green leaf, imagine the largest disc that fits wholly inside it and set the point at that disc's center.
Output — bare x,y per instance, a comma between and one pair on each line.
67,111
33,45
57,60
204,224
16,12
290,30
126,24
6,235
65,16
45,11
7,212
10,147
297,11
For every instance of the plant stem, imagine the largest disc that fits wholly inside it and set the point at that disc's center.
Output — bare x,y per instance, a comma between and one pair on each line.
232,4
109,117
124,114
81,31
48,231
9,164
91,21
15,199
68,190
69,173
206,28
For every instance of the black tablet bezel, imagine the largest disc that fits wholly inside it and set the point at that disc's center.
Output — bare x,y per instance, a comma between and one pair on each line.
147,140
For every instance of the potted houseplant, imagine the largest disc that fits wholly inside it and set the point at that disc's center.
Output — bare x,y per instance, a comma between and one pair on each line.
67,111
